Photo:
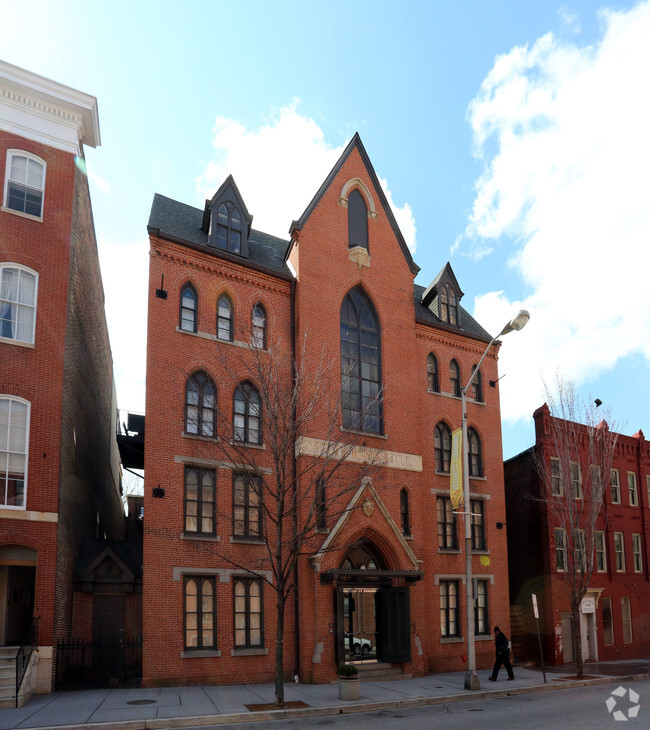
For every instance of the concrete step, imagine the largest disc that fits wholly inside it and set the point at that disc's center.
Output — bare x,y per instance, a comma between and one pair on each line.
380,671
8,692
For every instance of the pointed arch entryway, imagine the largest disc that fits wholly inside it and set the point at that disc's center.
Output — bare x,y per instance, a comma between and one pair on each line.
372,605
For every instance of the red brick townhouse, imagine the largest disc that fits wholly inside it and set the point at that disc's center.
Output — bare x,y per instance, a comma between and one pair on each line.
59,465
342,287
615,613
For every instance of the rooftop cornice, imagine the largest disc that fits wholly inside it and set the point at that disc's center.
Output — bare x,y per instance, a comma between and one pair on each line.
45,111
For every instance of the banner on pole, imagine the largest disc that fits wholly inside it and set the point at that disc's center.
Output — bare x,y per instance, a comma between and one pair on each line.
456,470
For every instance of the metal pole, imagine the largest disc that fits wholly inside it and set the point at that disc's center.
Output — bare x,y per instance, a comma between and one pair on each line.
472,680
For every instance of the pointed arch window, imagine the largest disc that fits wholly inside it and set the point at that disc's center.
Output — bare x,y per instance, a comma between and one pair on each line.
247,416
229,228
448,304
432,373
475,461
225,319
357,220
404,512
258,332
189,307
442,447
200,405
454,378
477,386
360,364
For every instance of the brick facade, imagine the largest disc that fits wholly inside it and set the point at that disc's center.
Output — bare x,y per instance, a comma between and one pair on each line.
531,532
302,299
65,372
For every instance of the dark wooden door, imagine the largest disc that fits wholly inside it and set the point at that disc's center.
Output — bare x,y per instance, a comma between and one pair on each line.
108,625
394,623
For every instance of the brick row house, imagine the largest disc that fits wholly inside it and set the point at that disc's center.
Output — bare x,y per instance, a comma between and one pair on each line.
383,580
59,465
614,613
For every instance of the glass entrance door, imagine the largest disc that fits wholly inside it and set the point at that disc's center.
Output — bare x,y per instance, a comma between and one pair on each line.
360,635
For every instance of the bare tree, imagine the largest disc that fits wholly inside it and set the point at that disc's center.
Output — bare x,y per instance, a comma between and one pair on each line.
297,485
574,469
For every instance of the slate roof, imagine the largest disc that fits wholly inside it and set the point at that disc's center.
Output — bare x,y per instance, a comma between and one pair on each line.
469,326
182,223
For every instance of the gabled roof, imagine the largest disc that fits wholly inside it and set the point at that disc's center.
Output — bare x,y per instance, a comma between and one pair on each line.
222,194
446,275
367,489
469,326
355,142
182,224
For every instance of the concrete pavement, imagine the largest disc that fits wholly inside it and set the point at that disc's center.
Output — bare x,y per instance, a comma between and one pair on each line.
175,707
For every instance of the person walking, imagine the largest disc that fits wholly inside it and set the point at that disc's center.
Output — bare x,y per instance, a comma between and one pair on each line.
503,655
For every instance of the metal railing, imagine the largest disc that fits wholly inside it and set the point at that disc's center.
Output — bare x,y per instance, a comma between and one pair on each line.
98,663
30,642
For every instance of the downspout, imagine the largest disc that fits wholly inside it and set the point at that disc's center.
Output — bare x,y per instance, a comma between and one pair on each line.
294,469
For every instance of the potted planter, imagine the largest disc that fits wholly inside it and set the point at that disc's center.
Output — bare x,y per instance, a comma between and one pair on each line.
348,682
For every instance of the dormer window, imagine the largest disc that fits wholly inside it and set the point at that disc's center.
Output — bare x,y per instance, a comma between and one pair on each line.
226,219
229,229
448,304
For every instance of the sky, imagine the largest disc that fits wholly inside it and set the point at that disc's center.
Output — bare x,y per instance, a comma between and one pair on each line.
511,139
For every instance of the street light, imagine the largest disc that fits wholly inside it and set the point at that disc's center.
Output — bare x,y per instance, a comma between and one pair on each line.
471,678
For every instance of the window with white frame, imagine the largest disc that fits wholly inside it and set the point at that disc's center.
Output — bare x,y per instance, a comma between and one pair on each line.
576,480
560,549
24,183
626,619
637,555
619,551
615,486
14,440
556,479
631,489
601,553
18,288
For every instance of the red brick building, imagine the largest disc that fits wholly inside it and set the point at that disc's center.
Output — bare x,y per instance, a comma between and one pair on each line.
385,581
59,466
614,614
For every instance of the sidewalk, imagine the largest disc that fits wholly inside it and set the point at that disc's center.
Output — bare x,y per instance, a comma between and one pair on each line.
174,707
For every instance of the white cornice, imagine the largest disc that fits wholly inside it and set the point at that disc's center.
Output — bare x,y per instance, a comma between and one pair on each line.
45,111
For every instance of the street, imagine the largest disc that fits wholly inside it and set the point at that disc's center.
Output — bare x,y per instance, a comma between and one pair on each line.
583,707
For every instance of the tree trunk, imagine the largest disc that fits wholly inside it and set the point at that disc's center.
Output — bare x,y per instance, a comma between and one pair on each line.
279,650
577,633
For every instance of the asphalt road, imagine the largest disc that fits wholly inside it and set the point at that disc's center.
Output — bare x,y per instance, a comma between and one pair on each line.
575,709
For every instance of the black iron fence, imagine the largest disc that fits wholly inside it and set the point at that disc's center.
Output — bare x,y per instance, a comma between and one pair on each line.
98,664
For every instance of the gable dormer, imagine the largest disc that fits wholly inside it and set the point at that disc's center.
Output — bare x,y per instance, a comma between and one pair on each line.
226,219
443,295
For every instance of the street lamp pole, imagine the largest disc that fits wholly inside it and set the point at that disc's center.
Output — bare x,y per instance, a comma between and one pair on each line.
472,680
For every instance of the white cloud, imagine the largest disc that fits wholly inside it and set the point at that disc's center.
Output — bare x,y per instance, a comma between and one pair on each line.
563,134
125,266
278,168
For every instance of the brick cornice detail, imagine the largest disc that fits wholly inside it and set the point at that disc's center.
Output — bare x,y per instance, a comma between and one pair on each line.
257,279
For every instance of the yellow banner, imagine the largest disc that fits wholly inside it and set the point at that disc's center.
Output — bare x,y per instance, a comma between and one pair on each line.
456,470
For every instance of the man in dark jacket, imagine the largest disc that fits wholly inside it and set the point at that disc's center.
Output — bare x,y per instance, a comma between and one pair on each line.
503,655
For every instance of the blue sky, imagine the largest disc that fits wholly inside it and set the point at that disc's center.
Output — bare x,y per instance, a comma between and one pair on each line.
512,138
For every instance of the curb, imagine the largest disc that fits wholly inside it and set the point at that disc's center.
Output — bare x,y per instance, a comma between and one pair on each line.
165,723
